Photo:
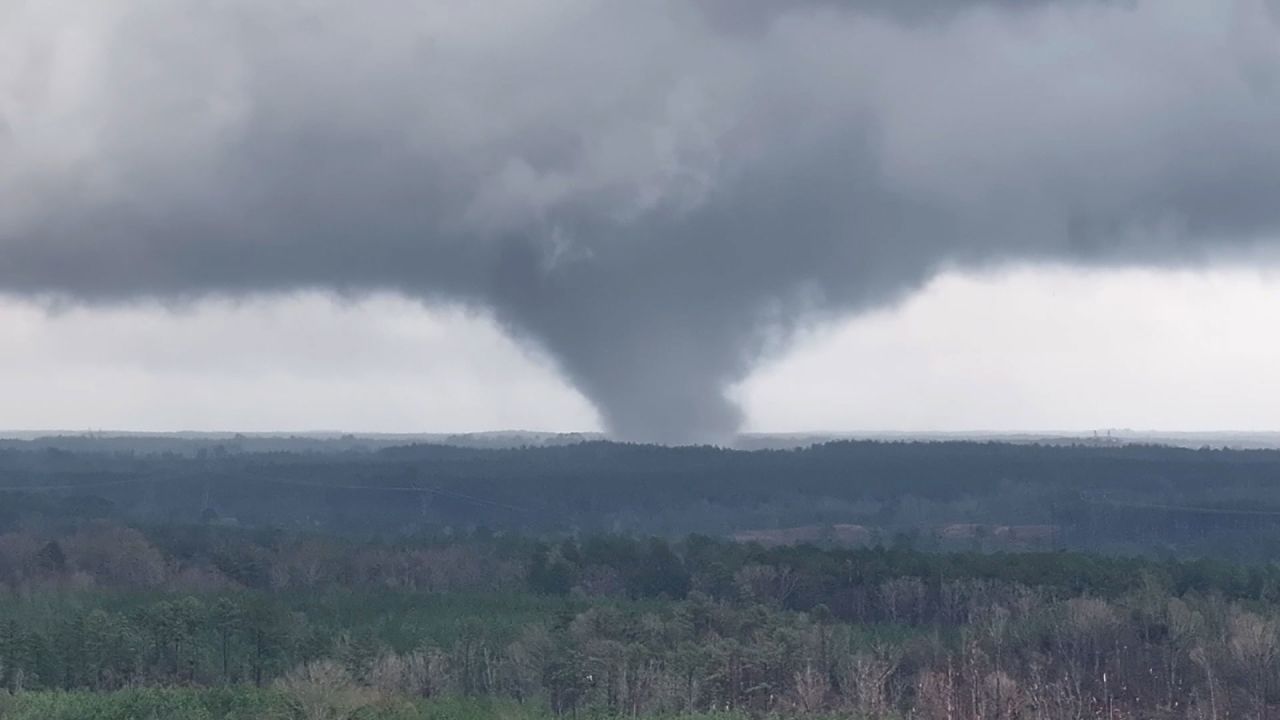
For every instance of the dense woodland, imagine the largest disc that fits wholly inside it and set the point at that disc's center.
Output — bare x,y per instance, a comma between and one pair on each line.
437,582
612,626
1155,500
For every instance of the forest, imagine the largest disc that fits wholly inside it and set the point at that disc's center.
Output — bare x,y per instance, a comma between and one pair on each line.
1129,499
575,581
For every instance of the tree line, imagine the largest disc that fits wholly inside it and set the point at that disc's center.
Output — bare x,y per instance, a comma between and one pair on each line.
1153,500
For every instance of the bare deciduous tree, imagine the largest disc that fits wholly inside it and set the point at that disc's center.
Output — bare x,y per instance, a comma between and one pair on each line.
769,584
865,680
1254,644
903,599
324,690
811,688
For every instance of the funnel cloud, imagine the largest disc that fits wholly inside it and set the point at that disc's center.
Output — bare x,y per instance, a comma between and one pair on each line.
655,194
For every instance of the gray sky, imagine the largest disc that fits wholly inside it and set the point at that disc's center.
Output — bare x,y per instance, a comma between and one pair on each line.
1033,349
688,211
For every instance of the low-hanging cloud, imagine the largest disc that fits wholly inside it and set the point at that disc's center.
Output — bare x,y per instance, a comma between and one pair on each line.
654,193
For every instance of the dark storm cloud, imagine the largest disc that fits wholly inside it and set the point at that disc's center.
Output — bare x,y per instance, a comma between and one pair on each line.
652,195
756,15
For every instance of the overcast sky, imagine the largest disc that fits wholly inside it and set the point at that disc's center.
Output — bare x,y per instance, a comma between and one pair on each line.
672,220
1033,349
